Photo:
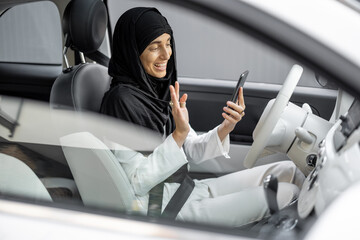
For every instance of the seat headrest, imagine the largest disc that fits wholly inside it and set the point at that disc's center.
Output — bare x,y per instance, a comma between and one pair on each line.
84,23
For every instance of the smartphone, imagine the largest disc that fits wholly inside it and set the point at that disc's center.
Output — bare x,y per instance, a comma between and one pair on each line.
239,84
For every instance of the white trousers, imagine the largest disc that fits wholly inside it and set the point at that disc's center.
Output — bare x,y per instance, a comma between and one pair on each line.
237,199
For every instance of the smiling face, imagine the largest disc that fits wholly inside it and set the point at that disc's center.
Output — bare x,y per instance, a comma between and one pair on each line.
156,56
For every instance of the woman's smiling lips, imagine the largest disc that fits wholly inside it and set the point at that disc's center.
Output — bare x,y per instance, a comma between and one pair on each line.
160,66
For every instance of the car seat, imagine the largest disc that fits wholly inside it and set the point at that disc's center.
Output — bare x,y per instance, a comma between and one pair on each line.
98,174
17,179
82,87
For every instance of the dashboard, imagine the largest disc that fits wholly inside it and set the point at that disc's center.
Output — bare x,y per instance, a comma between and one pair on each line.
337,167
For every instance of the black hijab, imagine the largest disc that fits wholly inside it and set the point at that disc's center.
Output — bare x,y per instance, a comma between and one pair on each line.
135,96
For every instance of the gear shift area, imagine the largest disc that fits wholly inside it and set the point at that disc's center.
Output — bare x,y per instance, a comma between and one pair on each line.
271,187
284,220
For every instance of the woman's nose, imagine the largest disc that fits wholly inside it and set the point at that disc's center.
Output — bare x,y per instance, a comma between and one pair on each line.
165,53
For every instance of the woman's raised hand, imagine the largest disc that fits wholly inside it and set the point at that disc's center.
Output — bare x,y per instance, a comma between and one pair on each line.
180,114
232,114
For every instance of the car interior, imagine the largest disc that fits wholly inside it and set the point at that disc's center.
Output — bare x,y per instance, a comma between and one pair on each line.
312,128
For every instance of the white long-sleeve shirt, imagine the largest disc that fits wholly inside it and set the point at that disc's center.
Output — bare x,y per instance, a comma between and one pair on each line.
145,172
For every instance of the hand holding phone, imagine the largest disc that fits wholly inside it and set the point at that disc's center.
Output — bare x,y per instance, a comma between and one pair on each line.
232,115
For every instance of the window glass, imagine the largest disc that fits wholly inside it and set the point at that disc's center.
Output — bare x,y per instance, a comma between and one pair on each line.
105,46
31,33
215,50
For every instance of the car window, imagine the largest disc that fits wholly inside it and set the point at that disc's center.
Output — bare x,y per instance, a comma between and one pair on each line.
30,49
215,50
31,33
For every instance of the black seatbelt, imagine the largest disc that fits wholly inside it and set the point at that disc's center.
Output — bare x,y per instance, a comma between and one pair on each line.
155,200
178,199
99,58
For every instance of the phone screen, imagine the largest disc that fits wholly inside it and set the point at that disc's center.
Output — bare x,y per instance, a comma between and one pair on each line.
239,84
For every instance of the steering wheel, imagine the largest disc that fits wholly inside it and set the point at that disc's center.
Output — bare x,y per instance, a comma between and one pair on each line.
271,116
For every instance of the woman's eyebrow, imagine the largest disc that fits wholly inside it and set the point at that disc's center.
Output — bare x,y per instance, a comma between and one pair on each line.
155,42
158,42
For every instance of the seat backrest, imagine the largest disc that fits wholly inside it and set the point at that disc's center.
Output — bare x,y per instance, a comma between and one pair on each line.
16,178
99,176
82,89
83,86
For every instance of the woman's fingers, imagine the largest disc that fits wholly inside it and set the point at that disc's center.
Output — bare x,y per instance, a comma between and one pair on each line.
235,111
184,97
235,107
177,89
175,93
174,97
172,91
233,119
241,98
229,118
179,111
183,100
233,114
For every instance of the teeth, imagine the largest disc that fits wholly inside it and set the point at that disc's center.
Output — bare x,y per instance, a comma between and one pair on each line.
160,65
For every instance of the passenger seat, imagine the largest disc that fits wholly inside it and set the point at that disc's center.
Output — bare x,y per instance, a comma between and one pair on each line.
82,87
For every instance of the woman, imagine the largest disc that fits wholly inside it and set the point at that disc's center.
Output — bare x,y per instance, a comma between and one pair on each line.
143,67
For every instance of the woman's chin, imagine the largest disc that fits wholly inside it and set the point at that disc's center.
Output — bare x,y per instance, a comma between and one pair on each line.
159,74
